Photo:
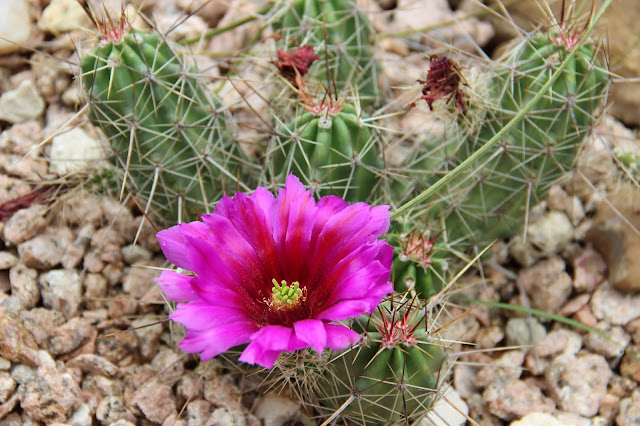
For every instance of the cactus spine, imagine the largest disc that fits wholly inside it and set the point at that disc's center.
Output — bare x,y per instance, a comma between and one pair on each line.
341,34
330,149
166,132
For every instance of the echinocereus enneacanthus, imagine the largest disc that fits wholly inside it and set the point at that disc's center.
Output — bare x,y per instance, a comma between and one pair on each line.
276,272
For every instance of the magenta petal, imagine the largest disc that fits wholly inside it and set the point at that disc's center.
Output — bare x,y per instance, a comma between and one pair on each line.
255,353
200,315
175,247
340,337
311,332
274,337
345,310
176,287
214,341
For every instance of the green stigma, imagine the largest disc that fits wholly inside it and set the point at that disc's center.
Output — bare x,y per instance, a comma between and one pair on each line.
284,294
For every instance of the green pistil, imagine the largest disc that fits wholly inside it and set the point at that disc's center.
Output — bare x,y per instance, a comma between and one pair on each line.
282,293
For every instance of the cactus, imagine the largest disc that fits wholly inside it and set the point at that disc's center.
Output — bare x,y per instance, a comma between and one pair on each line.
342,36
167,133
492,198
330,149
394,373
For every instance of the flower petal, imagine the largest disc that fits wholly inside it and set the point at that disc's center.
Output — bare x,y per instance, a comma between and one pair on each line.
345,310
255,353
216,340
176,287
312,333
200,315
340,337
175,247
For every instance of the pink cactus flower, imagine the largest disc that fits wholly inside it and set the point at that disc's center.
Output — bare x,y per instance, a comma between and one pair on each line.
278,273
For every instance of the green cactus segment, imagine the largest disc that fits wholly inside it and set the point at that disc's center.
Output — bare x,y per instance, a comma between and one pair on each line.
491,201
347,45
165,131
331,151
393,374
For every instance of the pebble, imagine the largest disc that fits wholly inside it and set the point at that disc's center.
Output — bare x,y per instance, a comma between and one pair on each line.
41,252
134,254
588,270
7,260
633,328
524,332
15,26
515,399
74,252
62,291
96,288
629,414
22,139
32,169
451,412
222,390
137,281
21,104
16,343
276,410
148,336
489,337
63,16
537,419
24,286
81,417
5,364
562,343
74,151
548,235
611,347
630,365
547,284
579,384
155,400
7,386
49,396
42,324
613,306
25,224
169,364
505,368
198,412
71,335
110,410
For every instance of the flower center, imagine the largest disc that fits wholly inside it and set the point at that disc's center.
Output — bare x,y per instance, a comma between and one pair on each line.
284,296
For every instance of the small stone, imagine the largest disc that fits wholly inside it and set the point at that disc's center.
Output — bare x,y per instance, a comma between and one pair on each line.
93,364
121,305
42,252
613,306
22,139
62,291
562,343
49,396
464,380
629,410
198,412
23,167
524,332
585,316
488,337
95,292
451,412
71,335
137,282
580,384
516,399
155,400
504,368
42,324
609,407
114,345
7,386
16,343
169,363
5,364
74,151
134,254
21,373
15,27
537,419
545,236
21,104
7,260
276,410
633,328
110,409
588,270
574,305
547,284
24,286
221,390
148,331
74,252
25,224
630,364
63,16
81,417
172,419
610,347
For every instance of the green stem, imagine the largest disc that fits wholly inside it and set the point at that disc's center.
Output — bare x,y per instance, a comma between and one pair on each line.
219,30
538,313
498,136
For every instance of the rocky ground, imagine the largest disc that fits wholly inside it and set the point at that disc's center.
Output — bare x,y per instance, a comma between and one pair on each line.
83,336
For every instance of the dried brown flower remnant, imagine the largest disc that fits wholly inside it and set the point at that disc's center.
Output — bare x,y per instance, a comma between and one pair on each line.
8,208
443,82
295,62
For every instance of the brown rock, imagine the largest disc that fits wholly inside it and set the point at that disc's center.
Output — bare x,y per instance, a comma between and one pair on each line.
222,391
516,399
41,252
633,328
24,224
93,364
41,323
588,270
155,400
629,410
62,291
7,386
615,233
49,396
16,343
24,286
71,335
547,284
7,260
630,365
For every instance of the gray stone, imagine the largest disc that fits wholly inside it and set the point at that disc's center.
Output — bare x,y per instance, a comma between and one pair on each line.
74,151
24,286
134,254
15,27
93,364
22,104
524,332
546,236
63,16
49,396
71,335
42,324
62,291
547,284
41,252
110,409
81,417
25,224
